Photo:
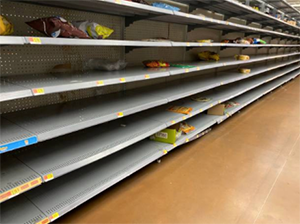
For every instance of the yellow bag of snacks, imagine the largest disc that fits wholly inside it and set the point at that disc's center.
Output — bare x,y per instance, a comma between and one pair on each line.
186,128
181,110
208,55
245,70
94,30
242,57
6,27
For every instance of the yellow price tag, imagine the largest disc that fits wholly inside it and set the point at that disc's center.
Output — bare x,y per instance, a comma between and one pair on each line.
54,216
15,191
219,101
120,114
188,44
48,177
44,221
187,70
197,136
122,80
201,110
198,68
39,91
147,76
118,1
200,44
35,40
187,140
211,105
184,117
165,151
173,122
100,83
174,145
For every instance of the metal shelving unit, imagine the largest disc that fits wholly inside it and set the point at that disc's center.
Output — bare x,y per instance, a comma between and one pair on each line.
55,120
58,197
98,139
41,84
232,8
141,11
101,141
16,178
15,40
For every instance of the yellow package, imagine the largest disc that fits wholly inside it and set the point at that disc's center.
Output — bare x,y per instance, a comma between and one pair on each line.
180,110
242,57
205,41
208,55
245,70
101,31
186,128
6,27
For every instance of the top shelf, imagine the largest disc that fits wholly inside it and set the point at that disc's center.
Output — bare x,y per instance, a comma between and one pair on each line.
285,7
135,11
236,9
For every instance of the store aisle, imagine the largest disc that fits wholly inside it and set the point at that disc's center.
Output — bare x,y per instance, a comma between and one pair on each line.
244,171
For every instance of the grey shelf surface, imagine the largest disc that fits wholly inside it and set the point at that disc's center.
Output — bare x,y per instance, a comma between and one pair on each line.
56,120
10,91
16,178
14,137
285,7
22,40
130,9
21,210
51,83
101,141
72,190
97,142
12,40
256,93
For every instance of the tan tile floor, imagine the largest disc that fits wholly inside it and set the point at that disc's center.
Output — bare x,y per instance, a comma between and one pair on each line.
244,171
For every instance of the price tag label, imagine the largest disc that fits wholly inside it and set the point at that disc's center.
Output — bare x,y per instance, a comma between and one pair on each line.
44,221
173,122
165,152
198,68
147,76
174,144
100,83
120,114
39,91
118,1
197,136
35,40
200,44
48,177
224,64
187,15
219,101
184,117
36,182
201,110
221,83
187,70
122,80
5,196
54,216
187,140
211,105
188,44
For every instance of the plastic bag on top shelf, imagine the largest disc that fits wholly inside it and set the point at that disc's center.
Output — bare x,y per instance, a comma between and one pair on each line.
104,65
6,27
57,27
165,6
94,30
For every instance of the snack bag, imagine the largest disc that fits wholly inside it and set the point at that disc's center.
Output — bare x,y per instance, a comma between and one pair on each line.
242,57
205,41
6,27
245,70
156,64
258,41
94,30
230,104
57,27
208,55
180,110
186,128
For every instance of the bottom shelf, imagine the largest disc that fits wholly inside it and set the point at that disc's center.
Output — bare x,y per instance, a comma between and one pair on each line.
54,199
